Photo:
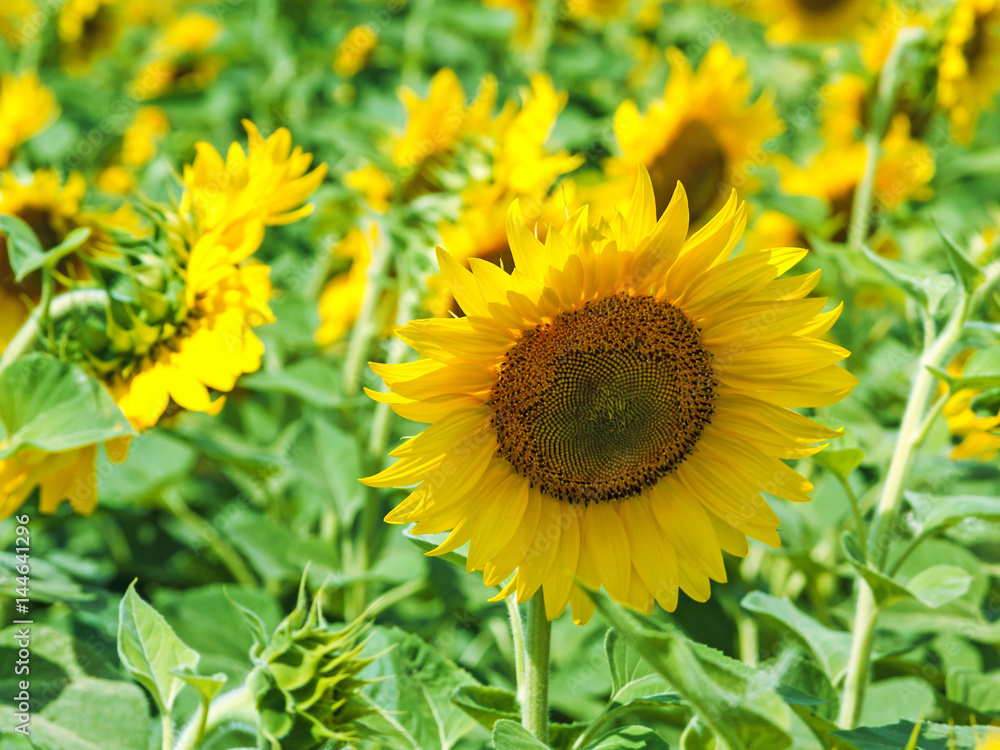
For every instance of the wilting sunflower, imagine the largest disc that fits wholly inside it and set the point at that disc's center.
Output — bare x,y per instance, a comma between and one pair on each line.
969,71
811,20
703,133
26,109
609,412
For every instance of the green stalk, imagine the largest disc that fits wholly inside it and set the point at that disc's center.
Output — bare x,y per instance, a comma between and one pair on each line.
533,690
911,434
236,705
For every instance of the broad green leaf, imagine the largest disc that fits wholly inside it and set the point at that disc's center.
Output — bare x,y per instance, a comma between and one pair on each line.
885,590
982,371
23,248
631,677
840,462
94,714
937,512
978,691
487,705
737,702
413,686
939,585
425,544
206,685
150,650
927,289
155,459
895,699
931,737
54,406
72,241
630,738
829,647
308,380
509,735
340,466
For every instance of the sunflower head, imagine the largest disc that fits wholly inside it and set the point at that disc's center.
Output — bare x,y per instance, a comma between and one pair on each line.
305,679
353,52
88,29
609,413
26,109
969,70
811,20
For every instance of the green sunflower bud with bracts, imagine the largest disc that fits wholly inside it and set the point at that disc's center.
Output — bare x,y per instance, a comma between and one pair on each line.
305,681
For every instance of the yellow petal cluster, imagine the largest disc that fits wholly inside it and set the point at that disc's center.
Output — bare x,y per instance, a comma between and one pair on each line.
26,109
969,71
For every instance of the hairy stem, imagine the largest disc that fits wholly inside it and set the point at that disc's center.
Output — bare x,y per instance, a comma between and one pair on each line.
533,691
236,705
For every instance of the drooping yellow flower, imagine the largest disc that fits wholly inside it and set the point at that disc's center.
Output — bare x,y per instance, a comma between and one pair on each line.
811,20
340,299
139,142
269,183
434,125
969,71
601,415
26,109
373,183
87,29
980,434
69,475
703,133
354,51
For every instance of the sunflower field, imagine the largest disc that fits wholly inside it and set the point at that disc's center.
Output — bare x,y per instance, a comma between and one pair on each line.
514,374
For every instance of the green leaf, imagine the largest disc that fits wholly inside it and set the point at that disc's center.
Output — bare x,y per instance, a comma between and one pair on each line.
927,289
487,705
829,647
939,585
978,691
630,738
737,702
206,685
413,685
963,266
840,462
885,590
54,406
938,513
509,735
982,371
150,650
339,466
94,714
24,251
631,677
931,737
308,380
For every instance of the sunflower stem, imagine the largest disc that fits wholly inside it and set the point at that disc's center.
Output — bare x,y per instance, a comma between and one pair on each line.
533,690
234,706
881,115
883,530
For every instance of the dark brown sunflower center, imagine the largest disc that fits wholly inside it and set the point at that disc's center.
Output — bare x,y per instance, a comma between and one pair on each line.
605,400
973,48
696,159
820,7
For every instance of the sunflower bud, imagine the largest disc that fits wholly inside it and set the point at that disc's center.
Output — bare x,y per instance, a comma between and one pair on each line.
305,680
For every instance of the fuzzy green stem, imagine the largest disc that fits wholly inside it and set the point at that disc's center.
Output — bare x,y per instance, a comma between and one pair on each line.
533,691
887,512
60,305
517,636
168,730
881,115
236,705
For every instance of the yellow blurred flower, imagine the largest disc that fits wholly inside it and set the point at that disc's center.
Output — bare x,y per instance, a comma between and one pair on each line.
703,133
87,29
69,475
601,10
811,20
980,434
181,60
340,299
373,183
14,15
773,229
269,183
969,71
26,109
877,39
843,109
139,142
436,124
354,51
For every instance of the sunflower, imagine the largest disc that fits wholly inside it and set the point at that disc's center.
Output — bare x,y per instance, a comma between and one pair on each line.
609,412
811,20
702,133
87,29
26,109
980,435
969,71
181,59
354,51
340,300
139,143
373,184
15,16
